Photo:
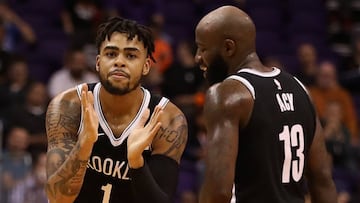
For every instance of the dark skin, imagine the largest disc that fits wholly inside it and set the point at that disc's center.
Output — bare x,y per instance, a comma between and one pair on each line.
122,62
229,32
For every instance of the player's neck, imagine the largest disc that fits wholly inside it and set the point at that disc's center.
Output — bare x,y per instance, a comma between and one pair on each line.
120,104
251,61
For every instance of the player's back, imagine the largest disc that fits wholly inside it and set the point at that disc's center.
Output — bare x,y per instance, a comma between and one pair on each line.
273,146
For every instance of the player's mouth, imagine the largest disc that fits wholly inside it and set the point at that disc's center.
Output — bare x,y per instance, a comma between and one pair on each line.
119,74
203,68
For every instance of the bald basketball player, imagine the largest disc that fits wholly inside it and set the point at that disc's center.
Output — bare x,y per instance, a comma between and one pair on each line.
264,137
102,145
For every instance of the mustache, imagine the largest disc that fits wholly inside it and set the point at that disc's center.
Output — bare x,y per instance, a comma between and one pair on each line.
119,72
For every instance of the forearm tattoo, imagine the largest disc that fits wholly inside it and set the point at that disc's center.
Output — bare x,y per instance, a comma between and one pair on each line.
64,168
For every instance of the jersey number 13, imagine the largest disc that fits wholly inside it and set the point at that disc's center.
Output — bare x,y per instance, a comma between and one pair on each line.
293,167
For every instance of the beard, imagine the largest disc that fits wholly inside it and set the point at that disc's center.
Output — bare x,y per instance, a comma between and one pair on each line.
118,90
217,70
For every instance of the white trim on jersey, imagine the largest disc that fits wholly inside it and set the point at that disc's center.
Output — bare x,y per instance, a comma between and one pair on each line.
272,73
233,197
244,82
302,85
104,125
78,90
163,102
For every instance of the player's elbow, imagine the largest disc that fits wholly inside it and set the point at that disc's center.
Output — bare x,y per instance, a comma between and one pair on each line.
321,182
219,195
322,177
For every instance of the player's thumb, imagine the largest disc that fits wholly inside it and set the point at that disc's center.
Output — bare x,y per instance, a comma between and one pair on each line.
144,117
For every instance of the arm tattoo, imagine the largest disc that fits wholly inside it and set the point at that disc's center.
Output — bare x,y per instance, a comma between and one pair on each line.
64,116
71,175
175,134
65,170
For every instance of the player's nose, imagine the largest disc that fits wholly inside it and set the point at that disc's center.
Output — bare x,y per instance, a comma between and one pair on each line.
197,58
119,61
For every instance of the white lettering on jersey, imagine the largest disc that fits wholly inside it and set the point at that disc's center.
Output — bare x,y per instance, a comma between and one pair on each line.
120,169
285,101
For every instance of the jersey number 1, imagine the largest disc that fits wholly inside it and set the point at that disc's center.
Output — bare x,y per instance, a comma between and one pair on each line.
293,138
107,190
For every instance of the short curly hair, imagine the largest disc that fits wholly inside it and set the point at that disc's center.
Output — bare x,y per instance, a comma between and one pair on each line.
129,27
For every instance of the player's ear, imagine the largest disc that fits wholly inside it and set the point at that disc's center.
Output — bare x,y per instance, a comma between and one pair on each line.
97,66
229,47
146,67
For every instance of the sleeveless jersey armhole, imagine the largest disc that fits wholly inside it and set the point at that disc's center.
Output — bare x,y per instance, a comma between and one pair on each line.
244,82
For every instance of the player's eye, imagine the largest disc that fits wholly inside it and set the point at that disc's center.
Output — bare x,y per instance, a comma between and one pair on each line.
131,56
110,54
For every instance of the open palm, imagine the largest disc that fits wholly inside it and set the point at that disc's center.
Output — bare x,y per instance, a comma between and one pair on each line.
142,135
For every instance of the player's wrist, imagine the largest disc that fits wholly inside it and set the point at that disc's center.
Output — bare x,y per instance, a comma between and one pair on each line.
86,139
85,147
136,163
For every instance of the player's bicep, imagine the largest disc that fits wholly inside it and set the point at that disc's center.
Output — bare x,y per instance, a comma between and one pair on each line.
222,140
172,136
62,122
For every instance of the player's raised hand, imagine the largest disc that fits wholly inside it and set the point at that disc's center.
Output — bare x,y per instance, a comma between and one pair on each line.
142,136
89,130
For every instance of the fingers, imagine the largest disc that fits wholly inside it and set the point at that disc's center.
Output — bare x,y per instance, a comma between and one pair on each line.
87,98
83,99
90,97
144,117
155,117
154,131
84,87
154,124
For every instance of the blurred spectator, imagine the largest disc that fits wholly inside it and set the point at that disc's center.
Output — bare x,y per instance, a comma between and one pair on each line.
157,22
350,71
326,90
337,136
74,72
31,189
183,81
12,92
163,54
16,162
4,55
354,62
80,19
31,116
307,57
139,10
343,24
183,84
15,29
337,139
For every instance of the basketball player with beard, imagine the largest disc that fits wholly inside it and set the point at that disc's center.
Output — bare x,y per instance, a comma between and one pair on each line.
265,142
103,145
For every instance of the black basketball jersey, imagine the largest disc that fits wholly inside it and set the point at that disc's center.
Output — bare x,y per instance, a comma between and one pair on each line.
273,147
106,179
